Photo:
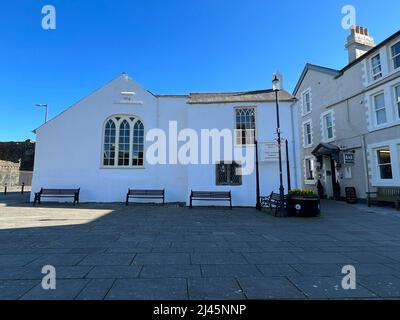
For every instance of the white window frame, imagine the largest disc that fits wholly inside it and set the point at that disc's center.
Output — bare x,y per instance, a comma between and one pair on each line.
303,102
374,111
306,180
396,101
305,144
253,132
392,57
394,146
379,165
324,128
117,132
378,75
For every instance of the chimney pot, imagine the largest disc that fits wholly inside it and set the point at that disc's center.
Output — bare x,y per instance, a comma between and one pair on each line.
358,42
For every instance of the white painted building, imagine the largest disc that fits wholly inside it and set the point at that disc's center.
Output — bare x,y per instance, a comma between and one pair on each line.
100,144
349,119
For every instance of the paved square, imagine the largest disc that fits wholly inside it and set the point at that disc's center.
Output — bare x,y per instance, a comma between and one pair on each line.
110,251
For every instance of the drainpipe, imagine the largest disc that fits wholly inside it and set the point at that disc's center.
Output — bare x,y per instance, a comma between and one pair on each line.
365,163
294,145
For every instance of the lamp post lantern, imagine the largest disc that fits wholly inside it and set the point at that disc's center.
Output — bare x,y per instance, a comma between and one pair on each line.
47,110
276,87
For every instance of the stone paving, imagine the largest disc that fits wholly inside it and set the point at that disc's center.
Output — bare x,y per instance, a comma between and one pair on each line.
109,251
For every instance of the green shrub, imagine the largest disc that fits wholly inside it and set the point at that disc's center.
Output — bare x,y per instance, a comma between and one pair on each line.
303,193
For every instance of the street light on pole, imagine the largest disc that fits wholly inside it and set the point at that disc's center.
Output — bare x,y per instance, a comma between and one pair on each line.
46,114
276,87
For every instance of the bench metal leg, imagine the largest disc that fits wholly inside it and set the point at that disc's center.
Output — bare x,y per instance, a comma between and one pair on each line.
36,200
230,203
127,200
398,205
191,201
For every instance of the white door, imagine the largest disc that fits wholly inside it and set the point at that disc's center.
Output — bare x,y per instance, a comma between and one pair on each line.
328,177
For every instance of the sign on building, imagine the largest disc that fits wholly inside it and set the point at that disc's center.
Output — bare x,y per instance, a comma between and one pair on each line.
268,151
349,158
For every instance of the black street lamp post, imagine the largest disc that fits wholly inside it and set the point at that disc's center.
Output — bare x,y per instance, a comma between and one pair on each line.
276,86
258,201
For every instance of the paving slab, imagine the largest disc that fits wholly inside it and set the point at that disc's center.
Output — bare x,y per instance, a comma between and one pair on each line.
230,270
161,258
108,259
114,272
215,289
58,260
317,287
384,286
148,289
14,289
275,270
109,251
66,289
218,258
16,260
171,271
271,258
269,288
96,289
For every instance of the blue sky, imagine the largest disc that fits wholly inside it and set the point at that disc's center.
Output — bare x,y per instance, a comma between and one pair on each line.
174,46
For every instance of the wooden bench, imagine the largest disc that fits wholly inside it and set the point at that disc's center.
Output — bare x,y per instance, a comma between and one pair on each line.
211,196
273,201
385,194
57,193
145,194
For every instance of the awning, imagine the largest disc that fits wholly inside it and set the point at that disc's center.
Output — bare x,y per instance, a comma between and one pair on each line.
327,149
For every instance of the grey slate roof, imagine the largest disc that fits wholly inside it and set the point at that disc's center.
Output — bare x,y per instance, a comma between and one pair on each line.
338,73
247,96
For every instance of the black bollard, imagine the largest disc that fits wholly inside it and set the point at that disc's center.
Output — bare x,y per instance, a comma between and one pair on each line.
22,188
5,189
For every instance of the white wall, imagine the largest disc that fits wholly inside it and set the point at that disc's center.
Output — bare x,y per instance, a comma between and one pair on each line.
68,150
69,147
221,116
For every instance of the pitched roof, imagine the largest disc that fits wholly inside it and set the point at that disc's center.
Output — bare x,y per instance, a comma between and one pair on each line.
247,96
338,73
314,67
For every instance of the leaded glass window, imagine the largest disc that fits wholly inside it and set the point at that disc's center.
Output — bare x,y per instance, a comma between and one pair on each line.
228,174
123,144
138,144
245,126
109,144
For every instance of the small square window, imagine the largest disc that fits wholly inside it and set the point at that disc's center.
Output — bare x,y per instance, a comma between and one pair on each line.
228,174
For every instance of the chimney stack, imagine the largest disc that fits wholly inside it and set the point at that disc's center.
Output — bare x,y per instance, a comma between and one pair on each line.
359,42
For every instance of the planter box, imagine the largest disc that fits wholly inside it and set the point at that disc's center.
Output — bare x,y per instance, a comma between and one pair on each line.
304,207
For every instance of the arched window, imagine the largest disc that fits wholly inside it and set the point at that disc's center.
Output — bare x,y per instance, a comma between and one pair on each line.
138,144
245,126
123,142
109,144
